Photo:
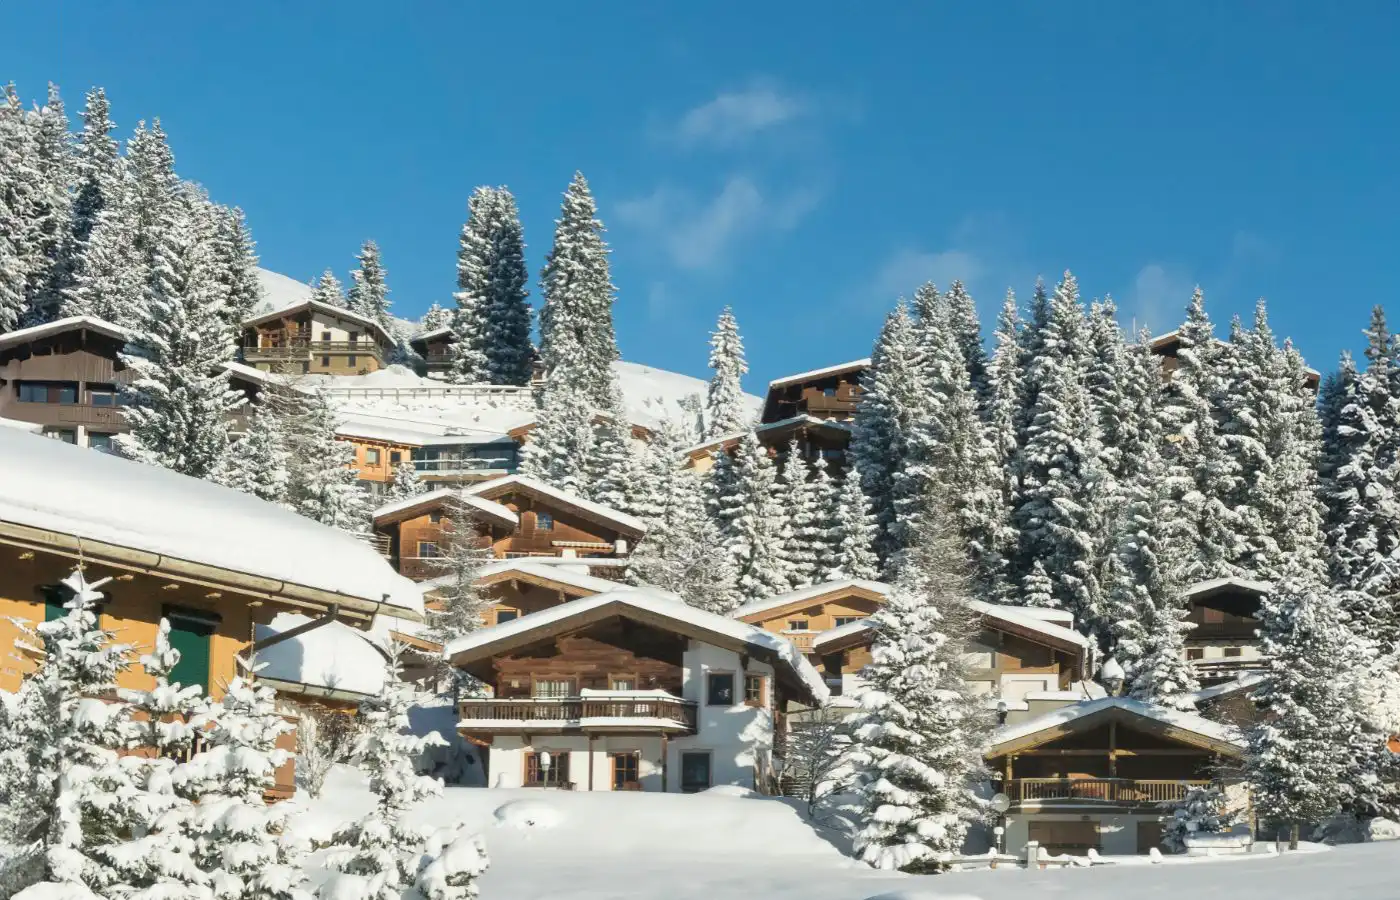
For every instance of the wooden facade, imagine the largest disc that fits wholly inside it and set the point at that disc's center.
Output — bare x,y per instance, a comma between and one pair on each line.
831,393
815,437
66,381
553,527
1224,643
376,460
435,348
613,655
312,338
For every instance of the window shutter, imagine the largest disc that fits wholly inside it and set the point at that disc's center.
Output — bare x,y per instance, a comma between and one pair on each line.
191,633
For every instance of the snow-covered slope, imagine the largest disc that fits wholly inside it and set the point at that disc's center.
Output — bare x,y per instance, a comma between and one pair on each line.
279,290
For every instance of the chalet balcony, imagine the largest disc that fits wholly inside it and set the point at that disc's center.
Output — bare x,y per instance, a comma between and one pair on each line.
802,640
476,465
1117,791
104,418
299,349
617,714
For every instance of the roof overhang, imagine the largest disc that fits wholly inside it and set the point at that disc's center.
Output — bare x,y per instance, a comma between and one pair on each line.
481,509
63,326
595,512
327,309
1110,711
777,607
771,433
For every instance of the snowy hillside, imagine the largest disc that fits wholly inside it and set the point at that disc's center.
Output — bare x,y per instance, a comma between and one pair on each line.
728,844
279,290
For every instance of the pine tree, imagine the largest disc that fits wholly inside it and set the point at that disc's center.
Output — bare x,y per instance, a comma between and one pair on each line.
967,328
154,195
98,167
21,199
324,484
803,495
406,483
1057,517
750,519
380,853
328,290
178,404
1204,810
918,734
561,444
261,463
436,317
238,268
576,322
52,213
369,295
1004,376
851,534
725,409
110,283
492,321
463,607
1296,446
610,470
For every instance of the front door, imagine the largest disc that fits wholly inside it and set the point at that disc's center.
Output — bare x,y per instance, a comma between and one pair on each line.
626,774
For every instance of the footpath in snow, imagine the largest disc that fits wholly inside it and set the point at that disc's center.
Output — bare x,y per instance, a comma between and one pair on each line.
728,844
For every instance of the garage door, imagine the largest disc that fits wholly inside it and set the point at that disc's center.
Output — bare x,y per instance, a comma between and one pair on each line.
1075,838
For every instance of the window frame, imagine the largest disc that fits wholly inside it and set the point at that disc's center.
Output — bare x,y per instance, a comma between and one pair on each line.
435,554
709,771
544,521
569,682
635,756
627,677
533,755
799,625
846,620
506,615
710,677
395,457
199,623
1195,653
372,456
1232,652
761,701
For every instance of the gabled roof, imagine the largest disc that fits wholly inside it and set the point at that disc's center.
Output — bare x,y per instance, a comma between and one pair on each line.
1220,585
558,578
429,335
660,609
1186,727
1245,681
812,594
814,374
59,326
409,507
333,661
339,312
500,487
793,422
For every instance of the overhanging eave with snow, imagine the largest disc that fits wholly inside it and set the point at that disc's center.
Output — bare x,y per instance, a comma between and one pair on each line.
1081,718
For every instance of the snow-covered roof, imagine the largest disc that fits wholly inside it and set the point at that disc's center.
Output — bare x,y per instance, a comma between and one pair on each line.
837,635
655,395
1014,616
819,373
255,375
60,326
802,419
1221,736
528,567
415,432
333,661
1214,585
435,333
338,312
31,427
825,589
1244,681
497,487
490,510
96,497
653,604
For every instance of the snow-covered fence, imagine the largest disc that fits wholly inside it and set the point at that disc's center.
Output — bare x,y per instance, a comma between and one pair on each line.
496,394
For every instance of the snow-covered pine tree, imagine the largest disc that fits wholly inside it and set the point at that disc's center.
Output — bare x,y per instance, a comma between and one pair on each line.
1204,810
52,213
750,519
153,196
1104,378
1057,517
962,318
1303,762
21,196
1296,447
851,534
725,410
380,856
261,462
178,403
894,400
463,607
328,290
559,448
805,501
324,484
369,293
406,483
238,268
918,734
1004,375
610,469
97,165
437,316
239,839
110,282
492,320
576,322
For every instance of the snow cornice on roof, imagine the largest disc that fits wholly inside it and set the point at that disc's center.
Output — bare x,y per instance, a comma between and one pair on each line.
1182,725
60,326
811,593
819,373
327,308
498,487
802,419
421,503
1217,585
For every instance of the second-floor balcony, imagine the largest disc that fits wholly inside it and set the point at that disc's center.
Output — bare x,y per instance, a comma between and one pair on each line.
651,711
298,348
1112,791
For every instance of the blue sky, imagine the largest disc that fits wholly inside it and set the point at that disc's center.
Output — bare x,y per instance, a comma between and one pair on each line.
806,163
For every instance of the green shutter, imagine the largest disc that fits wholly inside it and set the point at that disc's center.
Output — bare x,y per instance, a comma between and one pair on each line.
192,640
53,608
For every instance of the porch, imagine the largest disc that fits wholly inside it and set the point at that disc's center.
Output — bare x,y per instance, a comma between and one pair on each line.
1116,791
652,714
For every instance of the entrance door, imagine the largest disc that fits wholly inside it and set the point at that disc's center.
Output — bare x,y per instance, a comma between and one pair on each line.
626,774
1074,838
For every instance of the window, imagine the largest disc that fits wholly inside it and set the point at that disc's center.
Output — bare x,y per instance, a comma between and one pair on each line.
435,517
325,362
829,392
544,522
354,336
1195,653
372,457
325,335
395,457
67,435
1232,651
622,683
753,691
190,631
626,771
102,394
797,624
428,550
103,443
846,620
553,687
56,596
506,615
62,392
695,771
555,775
719,689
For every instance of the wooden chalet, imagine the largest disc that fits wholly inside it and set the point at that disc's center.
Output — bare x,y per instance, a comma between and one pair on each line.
314,338
815,437
1095,775
435,348
829,393
440,453
212,561
630,690
64,377
1225,640
515,516
1167,346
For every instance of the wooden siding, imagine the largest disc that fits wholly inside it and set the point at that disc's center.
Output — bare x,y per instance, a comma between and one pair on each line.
833,396
383,471
521,598
81,358
591,657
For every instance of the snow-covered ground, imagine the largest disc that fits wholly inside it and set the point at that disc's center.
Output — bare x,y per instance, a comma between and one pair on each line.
730,845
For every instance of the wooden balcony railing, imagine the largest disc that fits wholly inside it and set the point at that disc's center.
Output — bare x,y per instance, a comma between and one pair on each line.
573,711
1100,790
802,640
296,349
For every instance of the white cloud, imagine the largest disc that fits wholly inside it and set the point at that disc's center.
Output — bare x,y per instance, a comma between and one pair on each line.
1158,294
734,117
906,269
698,233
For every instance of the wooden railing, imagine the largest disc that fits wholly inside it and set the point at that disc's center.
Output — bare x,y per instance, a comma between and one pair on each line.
572,710
1102,790
802,640
299,348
